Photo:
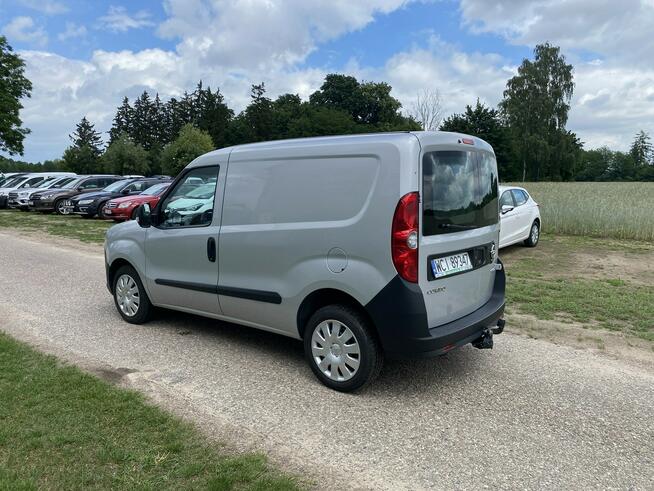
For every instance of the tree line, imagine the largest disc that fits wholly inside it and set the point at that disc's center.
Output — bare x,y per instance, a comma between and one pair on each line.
149,136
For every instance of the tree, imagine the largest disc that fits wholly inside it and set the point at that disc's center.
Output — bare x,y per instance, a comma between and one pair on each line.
641,149
86,135
144,123
213,115
259,115
369,104
427,109
535,105
486,123
81,160
124,157
83,156
13,87
190,143
123,121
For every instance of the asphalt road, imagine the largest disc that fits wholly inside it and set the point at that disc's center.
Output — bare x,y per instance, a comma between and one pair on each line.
527,414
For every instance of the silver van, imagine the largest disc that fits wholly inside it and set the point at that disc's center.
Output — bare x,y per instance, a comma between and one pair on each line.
362,246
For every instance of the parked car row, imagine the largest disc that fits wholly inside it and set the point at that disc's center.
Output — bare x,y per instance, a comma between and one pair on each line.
103,195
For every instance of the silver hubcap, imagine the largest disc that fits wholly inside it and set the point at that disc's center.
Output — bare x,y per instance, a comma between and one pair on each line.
335,350
127,295
534,233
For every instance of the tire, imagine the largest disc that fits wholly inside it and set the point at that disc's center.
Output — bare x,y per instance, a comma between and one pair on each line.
59,207
127,288
100,213
534,234
134,212
345,336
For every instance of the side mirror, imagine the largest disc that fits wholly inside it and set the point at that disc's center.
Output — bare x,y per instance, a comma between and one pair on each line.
125,191
144,215
506,209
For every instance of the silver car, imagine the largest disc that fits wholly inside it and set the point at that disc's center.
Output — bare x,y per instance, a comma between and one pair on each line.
364,247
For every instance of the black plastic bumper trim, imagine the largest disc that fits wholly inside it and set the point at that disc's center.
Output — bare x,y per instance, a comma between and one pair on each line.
399,315
229,291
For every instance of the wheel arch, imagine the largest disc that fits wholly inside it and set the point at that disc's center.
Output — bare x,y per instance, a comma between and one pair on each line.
113,268
323,297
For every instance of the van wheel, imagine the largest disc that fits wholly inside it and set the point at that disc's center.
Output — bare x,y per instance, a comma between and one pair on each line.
342,349
130,297
534,235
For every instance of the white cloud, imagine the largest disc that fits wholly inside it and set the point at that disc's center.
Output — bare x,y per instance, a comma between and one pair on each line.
48,7
72,31
24,29
261,34
117,19
609,27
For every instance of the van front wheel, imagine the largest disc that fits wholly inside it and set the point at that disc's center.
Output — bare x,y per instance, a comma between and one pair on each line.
342,349
130,297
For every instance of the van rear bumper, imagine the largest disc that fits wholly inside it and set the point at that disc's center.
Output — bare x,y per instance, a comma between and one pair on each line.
407,335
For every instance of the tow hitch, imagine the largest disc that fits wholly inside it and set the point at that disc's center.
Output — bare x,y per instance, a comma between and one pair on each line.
485,341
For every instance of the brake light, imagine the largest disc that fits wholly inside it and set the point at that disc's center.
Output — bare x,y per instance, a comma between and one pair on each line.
467,141
404,237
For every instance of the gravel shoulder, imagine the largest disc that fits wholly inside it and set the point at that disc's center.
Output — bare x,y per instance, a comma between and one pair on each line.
527,414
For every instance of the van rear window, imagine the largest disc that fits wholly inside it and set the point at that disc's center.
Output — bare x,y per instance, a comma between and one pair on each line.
459,191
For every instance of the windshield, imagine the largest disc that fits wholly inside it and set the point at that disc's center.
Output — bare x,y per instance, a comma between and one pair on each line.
459,191
72,184
45,183
13,181
117,186
156,190
61,182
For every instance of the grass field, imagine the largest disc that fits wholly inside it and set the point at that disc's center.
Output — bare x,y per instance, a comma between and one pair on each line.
63,429
72,227
622,210
596,283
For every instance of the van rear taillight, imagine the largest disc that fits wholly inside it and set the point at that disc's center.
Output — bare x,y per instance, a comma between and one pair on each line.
404,237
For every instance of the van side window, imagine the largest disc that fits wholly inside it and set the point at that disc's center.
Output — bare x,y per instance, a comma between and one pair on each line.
190,203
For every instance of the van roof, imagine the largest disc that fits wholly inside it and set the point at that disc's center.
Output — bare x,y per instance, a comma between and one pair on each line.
424,137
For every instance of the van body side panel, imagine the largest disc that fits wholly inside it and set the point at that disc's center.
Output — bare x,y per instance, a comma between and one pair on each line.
301,218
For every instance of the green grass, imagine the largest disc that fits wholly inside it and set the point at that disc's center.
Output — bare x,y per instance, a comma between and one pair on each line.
72,227
550,282
621,210
63,429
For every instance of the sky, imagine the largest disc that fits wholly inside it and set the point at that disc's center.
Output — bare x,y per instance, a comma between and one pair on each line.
83,57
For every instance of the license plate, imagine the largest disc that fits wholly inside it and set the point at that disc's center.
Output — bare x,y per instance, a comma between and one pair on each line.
447,265
106,211
31,203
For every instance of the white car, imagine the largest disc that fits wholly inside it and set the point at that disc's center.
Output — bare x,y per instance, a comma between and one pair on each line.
519,217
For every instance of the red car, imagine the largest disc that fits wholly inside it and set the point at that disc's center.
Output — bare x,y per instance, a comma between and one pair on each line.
124,208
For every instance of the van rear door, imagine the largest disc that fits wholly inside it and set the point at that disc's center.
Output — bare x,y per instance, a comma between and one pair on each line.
459,226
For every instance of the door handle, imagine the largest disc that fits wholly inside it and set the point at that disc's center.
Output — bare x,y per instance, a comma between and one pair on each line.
211,249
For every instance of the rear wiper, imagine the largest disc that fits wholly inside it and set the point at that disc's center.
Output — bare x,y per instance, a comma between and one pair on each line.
454,225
